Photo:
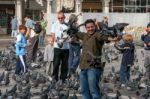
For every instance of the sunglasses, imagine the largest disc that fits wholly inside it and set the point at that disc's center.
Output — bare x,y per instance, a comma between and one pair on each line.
61,18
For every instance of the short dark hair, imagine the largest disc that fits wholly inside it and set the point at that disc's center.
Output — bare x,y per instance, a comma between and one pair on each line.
60,12
148,25
22,27
26,16
89,21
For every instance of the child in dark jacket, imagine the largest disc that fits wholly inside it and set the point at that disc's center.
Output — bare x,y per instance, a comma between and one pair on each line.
127,49
145,37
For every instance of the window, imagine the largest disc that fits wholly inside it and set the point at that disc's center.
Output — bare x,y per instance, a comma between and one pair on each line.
130,6
34,14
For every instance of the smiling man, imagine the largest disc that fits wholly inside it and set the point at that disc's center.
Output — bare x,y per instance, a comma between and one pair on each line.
90,64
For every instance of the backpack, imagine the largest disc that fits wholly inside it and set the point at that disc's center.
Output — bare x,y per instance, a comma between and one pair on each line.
37,28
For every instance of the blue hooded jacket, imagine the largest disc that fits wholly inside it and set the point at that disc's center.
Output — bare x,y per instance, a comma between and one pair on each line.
21,44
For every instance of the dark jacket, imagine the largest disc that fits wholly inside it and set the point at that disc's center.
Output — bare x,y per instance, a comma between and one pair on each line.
91,45
146,39
127,49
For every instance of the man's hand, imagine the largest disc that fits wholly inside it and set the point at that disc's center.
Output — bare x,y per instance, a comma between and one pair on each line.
113,39
145,32
72,31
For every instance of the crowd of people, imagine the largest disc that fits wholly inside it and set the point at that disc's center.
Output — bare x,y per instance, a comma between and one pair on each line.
63,55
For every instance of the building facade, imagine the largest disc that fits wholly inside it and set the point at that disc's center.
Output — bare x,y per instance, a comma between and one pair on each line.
18,8
37,8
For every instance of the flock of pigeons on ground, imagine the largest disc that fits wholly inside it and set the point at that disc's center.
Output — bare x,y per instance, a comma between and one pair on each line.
36,83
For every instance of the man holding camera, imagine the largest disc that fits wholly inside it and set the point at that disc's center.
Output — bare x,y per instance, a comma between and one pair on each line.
145,37
90,64
32,37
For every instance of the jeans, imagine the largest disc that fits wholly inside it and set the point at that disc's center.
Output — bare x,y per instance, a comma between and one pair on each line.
74,57
41,39
21,65
14,33
124,74
89,82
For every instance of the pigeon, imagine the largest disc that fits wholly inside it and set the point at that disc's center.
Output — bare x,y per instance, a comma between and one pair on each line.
44,92
20,87
55,93
113,69
10,97
35,81
26,92
5,95
2,77
64,95
58,85
105,96
118,95
105,79
26,78
74,95
9,94
7,81
0,93
147,94
27,89
137,93
41,78
13,90
44,96
129,97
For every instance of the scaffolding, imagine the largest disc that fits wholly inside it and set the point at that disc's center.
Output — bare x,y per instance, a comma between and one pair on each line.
132,6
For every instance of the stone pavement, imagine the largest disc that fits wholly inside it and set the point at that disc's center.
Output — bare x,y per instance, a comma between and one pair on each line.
5,41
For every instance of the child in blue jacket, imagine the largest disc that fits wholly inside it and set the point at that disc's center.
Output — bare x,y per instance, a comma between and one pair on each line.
20,45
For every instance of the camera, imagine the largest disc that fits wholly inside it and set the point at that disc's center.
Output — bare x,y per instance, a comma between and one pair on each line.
94,62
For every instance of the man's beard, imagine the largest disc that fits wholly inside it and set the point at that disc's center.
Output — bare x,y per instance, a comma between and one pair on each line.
92,32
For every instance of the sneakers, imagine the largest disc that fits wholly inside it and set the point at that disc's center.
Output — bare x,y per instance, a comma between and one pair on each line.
128,88
123,85
34,64
50,78
142,85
